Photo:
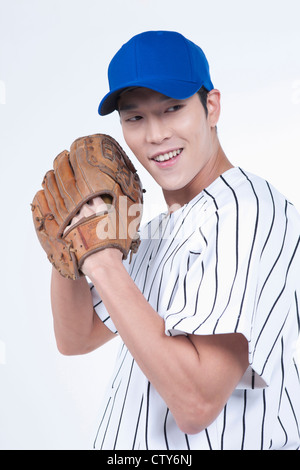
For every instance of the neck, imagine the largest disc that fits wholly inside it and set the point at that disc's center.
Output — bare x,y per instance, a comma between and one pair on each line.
213,168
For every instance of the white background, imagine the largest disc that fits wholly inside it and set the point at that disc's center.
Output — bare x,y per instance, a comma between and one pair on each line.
53,61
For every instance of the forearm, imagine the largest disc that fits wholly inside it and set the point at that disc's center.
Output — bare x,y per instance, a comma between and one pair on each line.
77,328
195,375
168,362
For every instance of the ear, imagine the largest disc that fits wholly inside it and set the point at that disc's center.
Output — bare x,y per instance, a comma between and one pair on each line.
214,107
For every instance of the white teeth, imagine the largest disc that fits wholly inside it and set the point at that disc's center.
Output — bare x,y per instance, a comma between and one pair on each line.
166,156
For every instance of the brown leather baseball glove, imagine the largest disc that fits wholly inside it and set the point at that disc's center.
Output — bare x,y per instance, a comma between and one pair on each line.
95,166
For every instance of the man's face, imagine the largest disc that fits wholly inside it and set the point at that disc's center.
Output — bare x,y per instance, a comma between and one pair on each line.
172,139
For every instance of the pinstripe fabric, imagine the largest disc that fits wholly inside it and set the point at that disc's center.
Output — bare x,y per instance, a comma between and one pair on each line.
228,261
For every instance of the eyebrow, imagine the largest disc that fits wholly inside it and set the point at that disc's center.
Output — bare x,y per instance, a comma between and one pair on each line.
131,106
127,107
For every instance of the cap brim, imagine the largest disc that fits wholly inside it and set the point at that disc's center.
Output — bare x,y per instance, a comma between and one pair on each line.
178,90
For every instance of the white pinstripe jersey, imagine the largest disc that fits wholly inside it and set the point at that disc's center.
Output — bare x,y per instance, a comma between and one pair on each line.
228,261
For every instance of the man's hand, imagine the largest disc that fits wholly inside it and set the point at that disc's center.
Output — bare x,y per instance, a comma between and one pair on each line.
95,166
108,256
94,206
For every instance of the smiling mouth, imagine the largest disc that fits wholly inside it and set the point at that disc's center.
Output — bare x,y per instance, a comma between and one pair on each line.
164,157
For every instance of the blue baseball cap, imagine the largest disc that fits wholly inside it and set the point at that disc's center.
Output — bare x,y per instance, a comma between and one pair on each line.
164,61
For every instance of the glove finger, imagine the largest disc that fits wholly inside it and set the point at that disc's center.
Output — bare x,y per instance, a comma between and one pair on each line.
40,209
54,198
79,154
91,167
58,251
43,219
104,164
66,181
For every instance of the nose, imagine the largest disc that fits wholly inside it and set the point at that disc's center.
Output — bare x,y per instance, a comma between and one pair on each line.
157,131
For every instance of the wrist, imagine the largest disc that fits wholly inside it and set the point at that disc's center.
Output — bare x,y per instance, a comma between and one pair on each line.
99,264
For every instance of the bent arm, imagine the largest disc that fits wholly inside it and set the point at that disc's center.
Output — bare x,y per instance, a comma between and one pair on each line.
194,375
77,327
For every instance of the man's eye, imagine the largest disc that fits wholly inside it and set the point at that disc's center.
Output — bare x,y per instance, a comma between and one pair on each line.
174,108
134,118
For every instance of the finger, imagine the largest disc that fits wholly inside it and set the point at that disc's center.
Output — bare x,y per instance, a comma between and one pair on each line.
97,205
54,198
93,207
95,161
66,181
85,211
44,220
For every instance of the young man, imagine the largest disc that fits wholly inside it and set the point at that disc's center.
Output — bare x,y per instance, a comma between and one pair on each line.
208,310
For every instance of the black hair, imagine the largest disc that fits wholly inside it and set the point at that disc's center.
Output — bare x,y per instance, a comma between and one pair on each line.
202,93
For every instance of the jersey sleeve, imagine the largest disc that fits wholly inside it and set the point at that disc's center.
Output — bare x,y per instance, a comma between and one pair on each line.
101,311
237,277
